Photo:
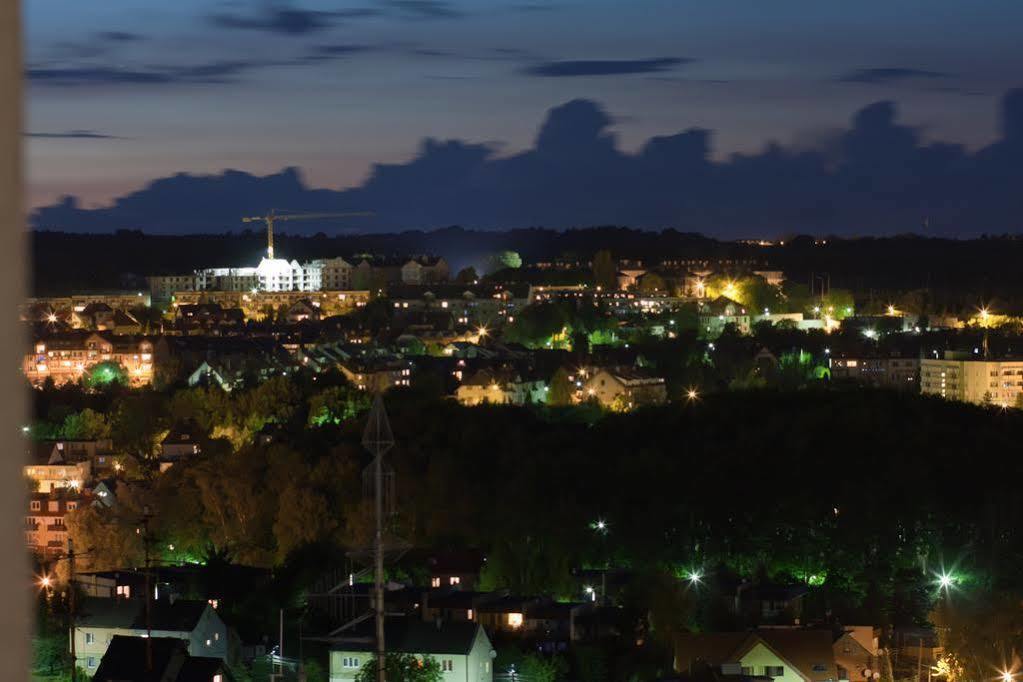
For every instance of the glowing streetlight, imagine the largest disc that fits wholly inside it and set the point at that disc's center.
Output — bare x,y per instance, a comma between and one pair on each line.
692,394
891,311
946,581
45,582
694,577
51,318
600,525
1007,676
590,592
870,333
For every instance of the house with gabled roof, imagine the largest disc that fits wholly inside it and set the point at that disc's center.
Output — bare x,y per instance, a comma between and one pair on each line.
100,620
462,649
157,659
624,387
782,654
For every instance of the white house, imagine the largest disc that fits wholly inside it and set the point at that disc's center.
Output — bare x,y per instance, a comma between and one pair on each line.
99,620
462,649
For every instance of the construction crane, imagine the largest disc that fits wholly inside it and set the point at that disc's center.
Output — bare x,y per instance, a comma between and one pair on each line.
270,218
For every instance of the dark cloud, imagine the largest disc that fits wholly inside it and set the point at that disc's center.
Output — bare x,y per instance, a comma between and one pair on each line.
887,75
119,36
337,51
212,72
74,135
604,67
284,20
875,175
425,9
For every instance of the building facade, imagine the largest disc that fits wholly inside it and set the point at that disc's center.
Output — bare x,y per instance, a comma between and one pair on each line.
67,357
980,381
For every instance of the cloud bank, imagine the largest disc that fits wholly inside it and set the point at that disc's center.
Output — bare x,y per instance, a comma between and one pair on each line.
877,176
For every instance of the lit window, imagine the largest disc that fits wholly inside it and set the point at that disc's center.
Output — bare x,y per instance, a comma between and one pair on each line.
435,582
454,580
468,614
90,638
515,620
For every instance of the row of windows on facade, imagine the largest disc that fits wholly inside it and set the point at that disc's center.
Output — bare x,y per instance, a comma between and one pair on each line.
51,505
351,662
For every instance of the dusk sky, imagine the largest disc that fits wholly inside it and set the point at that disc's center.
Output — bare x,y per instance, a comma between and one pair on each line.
125,91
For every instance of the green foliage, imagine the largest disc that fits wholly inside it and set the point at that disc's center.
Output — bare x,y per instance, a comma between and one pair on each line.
537,668
402,668
85,425
503,260
336,404
105,374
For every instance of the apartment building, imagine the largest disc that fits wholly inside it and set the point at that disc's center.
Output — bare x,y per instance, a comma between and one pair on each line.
45,529
960,376
67,357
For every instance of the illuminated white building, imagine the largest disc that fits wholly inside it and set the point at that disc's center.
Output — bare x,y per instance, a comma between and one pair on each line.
997,382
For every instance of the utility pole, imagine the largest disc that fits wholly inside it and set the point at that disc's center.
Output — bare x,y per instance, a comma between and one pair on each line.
920,658
149,595
71,607
378,439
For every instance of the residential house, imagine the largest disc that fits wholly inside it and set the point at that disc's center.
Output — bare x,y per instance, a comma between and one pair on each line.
856,650
462,649
624,387
45,527
501,386
52,466
194,622
377,375
762,603
504,613
156,659
721,312
458,569
303,310
183,441
98,316
423,269
782,654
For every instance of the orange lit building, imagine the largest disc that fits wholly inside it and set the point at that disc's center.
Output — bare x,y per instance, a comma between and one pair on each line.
67,357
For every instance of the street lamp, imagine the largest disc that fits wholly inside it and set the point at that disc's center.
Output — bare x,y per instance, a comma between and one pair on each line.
695,577
1007,676
692,394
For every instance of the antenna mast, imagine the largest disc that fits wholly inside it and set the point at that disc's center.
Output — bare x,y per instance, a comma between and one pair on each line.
378,439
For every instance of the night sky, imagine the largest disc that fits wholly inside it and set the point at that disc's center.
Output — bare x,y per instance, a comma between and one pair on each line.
126,91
